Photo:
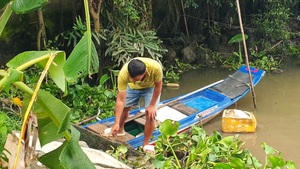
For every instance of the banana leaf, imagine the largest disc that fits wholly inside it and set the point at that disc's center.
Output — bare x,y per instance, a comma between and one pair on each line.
52,115
4,17
13,76
68,155
29,58
237,38
25,6
77,65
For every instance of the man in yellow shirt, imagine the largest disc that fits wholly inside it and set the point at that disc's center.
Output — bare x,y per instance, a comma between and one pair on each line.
139,78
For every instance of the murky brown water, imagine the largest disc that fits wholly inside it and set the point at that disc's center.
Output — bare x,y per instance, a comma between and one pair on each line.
277,113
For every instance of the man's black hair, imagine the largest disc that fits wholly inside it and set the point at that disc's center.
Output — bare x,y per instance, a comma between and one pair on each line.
136,67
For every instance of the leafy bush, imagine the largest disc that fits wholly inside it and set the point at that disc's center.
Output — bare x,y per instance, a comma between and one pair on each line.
201,151
127,43
263,61
85,101
9,121
198,150
171,73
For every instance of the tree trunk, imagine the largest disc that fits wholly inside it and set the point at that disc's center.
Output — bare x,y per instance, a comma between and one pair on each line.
41,35
95,7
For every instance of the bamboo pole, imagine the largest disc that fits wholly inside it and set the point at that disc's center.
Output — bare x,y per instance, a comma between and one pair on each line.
246,53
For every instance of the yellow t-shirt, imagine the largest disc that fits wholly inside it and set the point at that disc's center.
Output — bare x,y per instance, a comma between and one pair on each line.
154,74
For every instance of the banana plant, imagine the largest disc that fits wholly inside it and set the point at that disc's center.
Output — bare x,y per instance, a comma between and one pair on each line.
238,39
52,114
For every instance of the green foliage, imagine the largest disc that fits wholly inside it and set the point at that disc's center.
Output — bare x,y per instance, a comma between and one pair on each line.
273,29
23,6
294,51
51,113
77,66
70,38
201,151
215,29
198,150
263,61
168,128
232,62
119,152
3,127
114,77
128,10
10,115
3,3
273,161
126,43
260,59
191,3
85,101
235,61
272,23
238,38
68,155
9,121
171,76
4,17
172,73
213,59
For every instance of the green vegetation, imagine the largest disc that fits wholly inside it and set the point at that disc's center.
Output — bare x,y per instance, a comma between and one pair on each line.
235,61
198,150
85,101
172,72
127,43
52,114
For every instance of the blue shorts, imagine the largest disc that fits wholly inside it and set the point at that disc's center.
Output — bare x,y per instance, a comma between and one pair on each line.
133,97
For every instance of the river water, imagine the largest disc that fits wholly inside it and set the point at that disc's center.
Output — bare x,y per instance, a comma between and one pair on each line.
277,112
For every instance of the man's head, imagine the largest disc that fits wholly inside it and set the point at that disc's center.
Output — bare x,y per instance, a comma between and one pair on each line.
136,69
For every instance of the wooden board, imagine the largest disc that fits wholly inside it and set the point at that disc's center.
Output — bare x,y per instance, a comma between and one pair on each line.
11,145
140,120
99,128
130,118
184,109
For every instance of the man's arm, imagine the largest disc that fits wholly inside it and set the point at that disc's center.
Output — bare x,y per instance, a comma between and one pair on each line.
120,103
151,109
156,92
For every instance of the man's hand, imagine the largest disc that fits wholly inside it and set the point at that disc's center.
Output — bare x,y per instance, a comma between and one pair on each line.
115,129
151,112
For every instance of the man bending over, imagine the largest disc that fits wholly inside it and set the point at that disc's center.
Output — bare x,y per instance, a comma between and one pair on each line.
139,78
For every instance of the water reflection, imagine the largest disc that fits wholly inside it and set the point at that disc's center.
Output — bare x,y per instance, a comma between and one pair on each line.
277,113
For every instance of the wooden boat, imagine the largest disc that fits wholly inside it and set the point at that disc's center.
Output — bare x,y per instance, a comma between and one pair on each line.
198,106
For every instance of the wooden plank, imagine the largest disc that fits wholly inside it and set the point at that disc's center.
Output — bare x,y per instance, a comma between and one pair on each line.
130,118
140,120
184,109
99,128
11,145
